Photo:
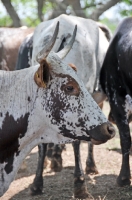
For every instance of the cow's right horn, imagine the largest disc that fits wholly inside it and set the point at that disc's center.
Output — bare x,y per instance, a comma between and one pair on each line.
68,47
45,51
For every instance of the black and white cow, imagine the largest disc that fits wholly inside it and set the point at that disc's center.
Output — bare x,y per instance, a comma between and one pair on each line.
116,81
42,104
87,54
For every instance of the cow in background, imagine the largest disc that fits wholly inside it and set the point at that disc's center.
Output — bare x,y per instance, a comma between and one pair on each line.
116,82
10,41
25,53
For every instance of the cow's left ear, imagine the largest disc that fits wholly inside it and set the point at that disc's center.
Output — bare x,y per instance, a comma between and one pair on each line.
42,75
99,97
73,66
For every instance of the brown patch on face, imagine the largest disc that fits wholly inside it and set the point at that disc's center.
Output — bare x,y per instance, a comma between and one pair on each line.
42,75
73,66
10,132
71,87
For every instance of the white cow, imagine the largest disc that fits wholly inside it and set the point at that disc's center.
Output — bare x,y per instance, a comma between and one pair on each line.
42,104
86,56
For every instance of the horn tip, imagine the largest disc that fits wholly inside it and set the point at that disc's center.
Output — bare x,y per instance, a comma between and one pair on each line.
75,29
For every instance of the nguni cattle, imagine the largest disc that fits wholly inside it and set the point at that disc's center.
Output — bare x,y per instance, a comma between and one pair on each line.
10,41
45,103
87,55
116,82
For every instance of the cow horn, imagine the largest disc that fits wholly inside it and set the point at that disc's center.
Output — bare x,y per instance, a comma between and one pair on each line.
45,51
68,47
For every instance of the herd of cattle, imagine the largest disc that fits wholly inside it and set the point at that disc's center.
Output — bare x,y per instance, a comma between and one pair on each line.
51,80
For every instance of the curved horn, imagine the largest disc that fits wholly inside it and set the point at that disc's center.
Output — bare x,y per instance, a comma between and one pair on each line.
68,47
45,51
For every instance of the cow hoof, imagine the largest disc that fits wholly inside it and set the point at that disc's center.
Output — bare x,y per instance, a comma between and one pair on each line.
37,186
91,170
123,181
80,189
80,192
56,164
34,190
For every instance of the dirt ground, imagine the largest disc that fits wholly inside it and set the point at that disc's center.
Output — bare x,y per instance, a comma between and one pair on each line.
59,186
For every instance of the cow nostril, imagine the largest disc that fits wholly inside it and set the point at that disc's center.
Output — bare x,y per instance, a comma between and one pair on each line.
111,130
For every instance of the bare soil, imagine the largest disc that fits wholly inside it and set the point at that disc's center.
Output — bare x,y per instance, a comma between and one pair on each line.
59,186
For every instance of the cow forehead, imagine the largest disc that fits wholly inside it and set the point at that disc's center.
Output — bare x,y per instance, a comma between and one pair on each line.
60,66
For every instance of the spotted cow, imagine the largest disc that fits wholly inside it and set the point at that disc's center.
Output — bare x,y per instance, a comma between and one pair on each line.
116,80
42,104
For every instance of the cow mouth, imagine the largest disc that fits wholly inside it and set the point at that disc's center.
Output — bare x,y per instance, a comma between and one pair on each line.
102,138
90,139
98,135
97,142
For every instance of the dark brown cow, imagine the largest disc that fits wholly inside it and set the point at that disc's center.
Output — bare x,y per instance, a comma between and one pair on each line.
10,41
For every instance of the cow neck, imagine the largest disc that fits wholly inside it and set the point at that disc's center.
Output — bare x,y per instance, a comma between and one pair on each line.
18,87
10,167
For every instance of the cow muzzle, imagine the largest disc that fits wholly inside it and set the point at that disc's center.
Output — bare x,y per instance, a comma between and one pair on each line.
102,133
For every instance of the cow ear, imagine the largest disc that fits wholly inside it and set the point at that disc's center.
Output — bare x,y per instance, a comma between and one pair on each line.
42,75
99,97
73,66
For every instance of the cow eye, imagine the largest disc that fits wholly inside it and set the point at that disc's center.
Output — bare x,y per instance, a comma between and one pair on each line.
69,88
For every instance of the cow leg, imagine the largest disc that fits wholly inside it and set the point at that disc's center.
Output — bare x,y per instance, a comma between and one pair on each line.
90,163
125,141
56,161
37,185
80,188
50,148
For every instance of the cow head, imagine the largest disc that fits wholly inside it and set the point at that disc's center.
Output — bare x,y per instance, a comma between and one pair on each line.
70,109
